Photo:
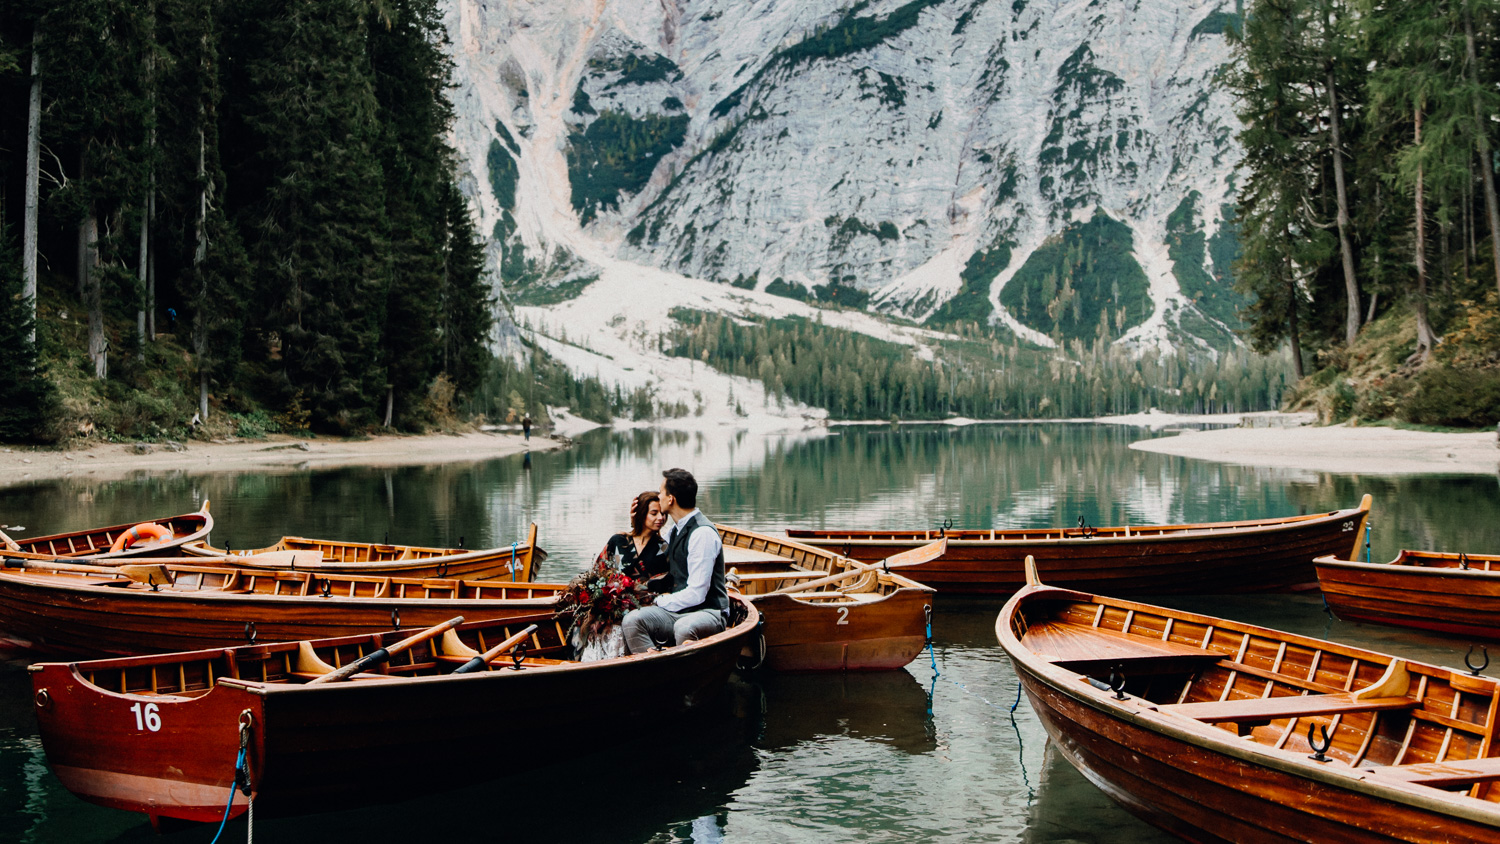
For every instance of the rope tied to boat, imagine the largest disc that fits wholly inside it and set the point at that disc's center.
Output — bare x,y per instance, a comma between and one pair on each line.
513,562
927,611
1367,539
241,775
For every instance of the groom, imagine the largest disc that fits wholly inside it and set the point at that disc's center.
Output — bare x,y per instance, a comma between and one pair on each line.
695,559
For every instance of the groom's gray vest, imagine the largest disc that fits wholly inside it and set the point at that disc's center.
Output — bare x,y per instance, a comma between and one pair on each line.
677,562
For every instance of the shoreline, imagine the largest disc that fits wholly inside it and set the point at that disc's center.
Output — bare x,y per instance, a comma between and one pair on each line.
1337,449
116,461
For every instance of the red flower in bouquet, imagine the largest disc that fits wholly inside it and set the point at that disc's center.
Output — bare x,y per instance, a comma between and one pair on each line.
598,598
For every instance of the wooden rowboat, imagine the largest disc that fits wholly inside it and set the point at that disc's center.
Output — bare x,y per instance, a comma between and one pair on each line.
1209,735
1215,558
824,612
1449,593
96,543
155,606
516,561
161,734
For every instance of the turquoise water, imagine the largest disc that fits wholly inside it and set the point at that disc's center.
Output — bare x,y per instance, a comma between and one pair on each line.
865,757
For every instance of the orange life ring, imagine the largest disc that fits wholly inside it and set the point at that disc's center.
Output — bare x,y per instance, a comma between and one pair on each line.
146,531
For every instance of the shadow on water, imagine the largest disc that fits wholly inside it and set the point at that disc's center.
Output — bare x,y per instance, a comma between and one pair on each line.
887,707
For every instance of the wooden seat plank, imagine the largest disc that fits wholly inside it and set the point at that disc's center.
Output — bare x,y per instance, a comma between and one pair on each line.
1452,772
1066,642
1287,706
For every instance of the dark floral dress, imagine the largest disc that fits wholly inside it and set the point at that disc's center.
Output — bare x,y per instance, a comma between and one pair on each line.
649,563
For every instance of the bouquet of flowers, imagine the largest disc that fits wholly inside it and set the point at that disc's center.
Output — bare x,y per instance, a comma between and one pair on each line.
597,599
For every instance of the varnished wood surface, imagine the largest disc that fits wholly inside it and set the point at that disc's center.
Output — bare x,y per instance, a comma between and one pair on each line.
873,621
1212,558
1419,589
313,748
95,542
104,612
1218,751
516,561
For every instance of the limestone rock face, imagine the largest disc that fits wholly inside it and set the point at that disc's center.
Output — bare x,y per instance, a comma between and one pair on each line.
908,157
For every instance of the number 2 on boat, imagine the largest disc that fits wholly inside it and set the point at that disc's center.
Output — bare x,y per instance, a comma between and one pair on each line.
843,616
1348,526
150,720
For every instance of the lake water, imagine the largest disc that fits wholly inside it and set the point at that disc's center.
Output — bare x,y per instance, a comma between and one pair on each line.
899,755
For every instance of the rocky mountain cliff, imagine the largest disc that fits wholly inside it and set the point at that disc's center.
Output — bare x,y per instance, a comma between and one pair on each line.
1057,169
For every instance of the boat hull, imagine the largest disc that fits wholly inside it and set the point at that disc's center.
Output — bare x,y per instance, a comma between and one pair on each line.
879,635
1464,603
105,620
1265,558
334,746
1201,795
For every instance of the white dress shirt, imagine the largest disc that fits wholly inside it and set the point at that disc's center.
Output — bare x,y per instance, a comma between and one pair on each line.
704,547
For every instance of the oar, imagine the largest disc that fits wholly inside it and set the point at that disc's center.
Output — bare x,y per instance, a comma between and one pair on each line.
374,658
916,556
483,659
858,568
10,544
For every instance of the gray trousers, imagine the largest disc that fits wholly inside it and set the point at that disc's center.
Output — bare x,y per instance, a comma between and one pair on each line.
647,626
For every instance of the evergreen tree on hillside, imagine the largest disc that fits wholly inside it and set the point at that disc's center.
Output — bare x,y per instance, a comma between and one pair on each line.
26,397
1282,243
97,125
315,222
213,273
467,306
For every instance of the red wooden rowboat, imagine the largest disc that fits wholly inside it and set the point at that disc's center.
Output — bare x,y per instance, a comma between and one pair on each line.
96,543
516,561
1449,593
152,606
1209,735
824,612
161,734
1194,559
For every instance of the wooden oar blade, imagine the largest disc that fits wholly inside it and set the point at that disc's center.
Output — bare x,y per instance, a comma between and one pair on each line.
916,556
479,662
853,571
151,575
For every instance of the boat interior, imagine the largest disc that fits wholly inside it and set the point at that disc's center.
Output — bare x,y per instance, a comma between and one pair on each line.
155,576
194,674
1440,560
761,565
1392,719
86,543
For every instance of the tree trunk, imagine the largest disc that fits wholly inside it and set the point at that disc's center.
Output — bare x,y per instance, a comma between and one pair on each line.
1425,337
93,296
1351,284
33,154
1486,161
203,395
390,404
200,252
140,311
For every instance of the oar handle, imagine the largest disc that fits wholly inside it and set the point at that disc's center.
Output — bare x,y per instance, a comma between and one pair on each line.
483,659
9,543
375,658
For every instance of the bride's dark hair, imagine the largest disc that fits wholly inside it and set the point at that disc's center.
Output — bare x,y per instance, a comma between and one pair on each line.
642,506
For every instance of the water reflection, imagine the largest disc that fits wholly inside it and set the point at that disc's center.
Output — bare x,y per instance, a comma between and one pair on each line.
786,758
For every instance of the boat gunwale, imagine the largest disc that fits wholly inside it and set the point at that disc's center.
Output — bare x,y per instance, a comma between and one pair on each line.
1402,569
895,581
266,689
1203,736
1170,533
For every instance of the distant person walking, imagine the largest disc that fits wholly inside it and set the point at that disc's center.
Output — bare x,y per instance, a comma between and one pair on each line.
526,426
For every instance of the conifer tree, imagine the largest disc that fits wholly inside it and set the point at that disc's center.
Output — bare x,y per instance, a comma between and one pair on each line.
315,224
26,397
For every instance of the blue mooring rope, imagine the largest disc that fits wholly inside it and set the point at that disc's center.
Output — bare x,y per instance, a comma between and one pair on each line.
233,787
1367,548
